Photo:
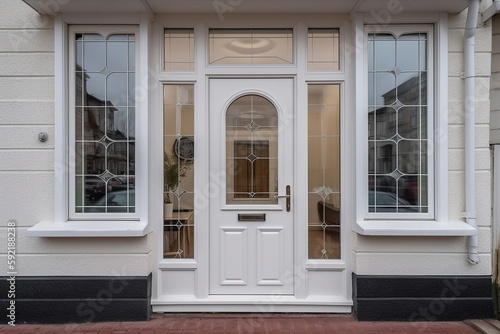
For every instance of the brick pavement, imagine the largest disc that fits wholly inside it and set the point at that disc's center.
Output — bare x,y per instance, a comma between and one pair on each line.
246,323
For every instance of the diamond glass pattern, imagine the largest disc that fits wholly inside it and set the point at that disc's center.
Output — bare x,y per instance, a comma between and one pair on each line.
398,86
251,151
104,123
324,171
252,126
178,176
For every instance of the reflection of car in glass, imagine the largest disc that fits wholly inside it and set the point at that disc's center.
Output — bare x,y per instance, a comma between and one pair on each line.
382,201
95,187
116,201
121,183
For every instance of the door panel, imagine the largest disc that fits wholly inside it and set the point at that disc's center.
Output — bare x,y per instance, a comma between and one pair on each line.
251,163
270,256
233,256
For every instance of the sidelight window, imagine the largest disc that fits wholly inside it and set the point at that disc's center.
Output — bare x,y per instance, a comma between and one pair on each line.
324,171
178,171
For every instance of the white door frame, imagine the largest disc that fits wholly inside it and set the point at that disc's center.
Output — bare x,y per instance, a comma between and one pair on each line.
181,285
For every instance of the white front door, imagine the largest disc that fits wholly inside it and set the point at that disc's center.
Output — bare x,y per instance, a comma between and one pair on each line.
251,166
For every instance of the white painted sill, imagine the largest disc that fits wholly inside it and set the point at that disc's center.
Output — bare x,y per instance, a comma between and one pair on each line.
89,229
414,228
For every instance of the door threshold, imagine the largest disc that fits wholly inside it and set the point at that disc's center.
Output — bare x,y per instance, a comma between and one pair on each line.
252,304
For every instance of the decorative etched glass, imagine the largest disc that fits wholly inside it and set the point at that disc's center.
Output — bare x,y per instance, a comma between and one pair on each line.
251,46
251,151
324,171
397,123
178,171
105,123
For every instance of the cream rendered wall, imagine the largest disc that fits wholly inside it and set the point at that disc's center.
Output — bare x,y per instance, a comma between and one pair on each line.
495,82
27,165
446,255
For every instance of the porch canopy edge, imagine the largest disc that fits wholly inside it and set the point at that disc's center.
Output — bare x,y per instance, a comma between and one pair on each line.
51,7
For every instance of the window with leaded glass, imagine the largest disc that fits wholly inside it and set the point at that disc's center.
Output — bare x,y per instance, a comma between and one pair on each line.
323,52
103,130
179,50
252,151
399,119
324,171
178,171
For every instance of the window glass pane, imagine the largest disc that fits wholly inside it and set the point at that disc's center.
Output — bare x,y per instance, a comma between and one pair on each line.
251,151
94,56
251,46
114,56
178,171
179,50
397,121
104,124
117,88
323,50
324,171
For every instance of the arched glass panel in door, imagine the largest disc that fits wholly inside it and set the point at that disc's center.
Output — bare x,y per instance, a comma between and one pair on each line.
251,151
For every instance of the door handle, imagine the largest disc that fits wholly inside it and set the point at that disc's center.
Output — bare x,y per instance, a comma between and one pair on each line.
287,196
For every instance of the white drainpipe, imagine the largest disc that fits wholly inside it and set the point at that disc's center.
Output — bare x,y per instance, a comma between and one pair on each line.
470,123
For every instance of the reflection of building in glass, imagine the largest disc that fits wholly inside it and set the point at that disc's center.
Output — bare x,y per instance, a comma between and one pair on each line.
398,140
103,131
104,150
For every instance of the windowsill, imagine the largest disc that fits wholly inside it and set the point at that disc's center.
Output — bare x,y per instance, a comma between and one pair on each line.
414,228
89,229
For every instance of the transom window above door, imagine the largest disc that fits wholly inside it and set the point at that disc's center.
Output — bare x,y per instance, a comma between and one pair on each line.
250,46
323,50
179,50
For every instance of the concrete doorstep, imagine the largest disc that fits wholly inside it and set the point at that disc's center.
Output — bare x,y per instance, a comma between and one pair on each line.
486,326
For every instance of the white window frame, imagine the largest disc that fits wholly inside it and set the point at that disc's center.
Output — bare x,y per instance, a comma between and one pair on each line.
63,224
104,31
436,222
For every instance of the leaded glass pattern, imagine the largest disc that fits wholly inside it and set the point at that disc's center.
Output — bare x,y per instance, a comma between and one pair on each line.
250,46
105,123
178,172
323,50
324,171
251,151
397,123
179,50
